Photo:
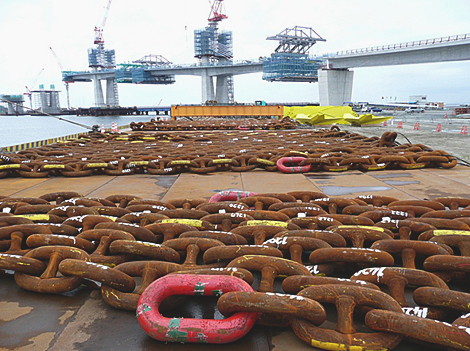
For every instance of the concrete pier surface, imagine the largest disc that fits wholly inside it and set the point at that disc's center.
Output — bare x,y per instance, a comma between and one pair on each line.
437,129
81,320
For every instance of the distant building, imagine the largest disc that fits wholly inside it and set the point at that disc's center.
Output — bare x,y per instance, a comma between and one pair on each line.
420,99
423,100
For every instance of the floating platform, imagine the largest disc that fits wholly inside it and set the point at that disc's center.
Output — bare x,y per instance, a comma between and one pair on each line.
107,111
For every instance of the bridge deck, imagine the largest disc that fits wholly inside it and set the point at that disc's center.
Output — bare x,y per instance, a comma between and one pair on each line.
455,48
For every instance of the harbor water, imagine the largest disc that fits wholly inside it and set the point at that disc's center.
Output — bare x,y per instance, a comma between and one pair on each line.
24,129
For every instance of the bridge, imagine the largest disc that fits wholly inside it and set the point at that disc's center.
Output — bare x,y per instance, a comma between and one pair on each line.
165,75
220,70
336,79
332,71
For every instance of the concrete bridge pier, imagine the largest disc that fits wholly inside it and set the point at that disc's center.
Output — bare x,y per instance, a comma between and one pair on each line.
14,109
111,92
221,92
335,86
98,89
207,87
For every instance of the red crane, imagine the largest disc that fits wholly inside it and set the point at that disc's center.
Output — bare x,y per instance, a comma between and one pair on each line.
217,12
99,30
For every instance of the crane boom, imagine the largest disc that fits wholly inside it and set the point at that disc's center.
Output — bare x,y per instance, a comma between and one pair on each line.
99,30
65,82
28,90
57,59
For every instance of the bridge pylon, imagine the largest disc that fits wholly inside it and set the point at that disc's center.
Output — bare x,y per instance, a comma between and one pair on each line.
335,86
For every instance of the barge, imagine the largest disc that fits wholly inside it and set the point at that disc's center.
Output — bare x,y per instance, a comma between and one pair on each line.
81,320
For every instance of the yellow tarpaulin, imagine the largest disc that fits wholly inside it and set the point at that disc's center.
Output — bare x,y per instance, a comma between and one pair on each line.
365,119
326,115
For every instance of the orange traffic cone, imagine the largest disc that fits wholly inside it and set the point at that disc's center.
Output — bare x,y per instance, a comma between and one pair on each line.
400,124
464,130
102,129
416,127
438,127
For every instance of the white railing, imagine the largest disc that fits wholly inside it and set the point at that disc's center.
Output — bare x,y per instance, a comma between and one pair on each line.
401,46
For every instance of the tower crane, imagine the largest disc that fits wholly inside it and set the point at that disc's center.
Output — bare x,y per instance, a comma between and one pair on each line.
100,59
217,12
99,30
99,41
66,83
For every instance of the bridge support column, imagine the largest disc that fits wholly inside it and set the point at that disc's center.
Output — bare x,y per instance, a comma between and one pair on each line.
221,92
335,86
11,109
207,87
99,99
111,92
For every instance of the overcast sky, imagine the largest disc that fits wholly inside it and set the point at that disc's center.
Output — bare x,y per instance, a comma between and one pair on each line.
140,27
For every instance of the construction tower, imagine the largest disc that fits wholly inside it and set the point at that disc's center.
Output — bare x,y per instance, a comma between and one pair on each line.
103,61
46,100
215,47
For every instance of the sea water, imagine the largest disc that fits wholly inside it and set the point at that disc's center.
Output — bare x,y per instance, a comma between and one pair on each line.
24,129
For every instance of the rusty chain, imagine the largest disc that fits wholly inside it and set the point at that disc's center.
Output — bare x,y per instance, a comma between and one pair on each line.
203,152
59,241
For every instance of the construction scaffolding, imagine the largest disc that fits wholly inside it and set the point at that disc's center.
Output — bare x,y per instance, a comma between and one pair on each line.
101,58
210,42
290,61
46,100
137,71
285,67
141,76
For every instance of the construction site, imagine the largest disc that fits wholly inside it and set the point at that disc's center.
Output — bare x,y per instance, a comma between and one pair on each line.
213,49
265,227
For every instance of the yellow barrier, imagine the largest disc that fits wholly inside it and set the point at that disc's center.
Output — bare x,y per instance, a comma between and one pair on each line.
21,147
226,111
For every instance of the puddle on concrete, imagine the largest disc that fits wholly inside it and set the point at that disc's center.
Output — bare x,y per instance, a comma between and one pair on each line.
400,182
65,316
230,189
347,190
394,175
11,310
39,342
318,176
166,181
